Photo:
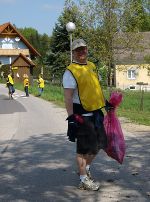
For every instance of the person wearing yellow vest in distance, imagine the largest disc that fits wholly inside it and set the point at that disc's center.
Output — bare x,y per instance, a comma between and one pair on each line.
10,85
40,84
26,84
84,100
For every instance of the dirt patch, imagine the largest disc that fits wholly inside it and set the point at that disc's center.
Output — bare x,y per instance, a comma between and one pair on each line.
133,127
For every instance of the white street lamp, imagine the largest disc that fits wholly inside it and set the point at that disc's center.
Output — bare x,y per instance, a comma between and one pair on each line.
70,27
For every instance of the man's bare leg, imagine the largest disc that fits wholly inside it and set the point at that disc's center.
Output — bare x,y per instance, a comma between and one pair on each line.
86,182
81,162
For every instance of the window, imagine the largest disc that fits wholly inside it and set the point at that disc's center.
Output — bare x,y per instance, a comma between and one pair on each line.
7,43
131,73
132,87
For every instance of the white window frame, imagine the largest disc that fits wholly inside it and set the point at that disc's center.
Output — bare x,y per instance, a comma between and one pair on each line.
132,75
7,43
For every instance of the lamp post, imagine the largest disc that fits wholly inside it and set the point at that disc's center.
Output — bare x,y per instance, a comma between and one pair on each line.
70,27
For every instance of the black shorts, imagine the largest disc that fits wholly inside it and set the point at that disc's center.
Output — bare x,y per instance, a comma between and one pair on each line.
90,137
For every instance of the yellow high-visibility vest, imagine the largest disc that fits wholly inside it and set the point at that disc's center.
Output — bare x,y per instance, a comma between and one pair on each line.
41,82
89,89
10,80
26,82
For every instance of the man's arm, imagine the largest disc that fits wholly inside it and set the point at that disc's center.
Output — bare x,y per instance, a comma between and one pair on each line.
68,95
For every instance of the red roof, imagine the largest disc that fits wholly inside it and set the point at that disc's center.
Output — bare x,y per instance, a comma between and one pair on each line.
2,27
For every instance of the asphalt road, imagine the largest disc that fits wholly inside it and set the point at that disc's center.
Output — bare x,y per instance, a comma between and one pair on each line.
37,162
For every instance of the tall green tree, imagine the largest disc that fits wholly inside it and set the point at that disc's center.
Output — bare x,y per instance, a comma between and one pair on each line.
32,36
101,19
58,56
105,22
38,41
106,25
136,15
146,16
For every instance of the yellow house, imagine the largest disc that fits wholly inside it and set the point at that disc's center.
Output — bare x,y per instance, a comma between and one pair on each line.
132,71
133,76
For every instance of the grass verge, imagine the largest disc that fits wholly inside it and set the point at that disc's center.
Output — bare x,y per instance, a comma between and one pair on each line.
130,108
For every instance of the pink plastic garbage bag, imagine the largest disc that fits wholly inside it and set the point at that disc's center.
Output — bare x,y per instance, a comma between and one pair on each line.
115,137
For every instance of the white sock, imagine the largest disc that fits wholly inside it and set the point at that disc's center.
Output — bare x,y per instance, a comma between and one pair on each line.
82,177
87,167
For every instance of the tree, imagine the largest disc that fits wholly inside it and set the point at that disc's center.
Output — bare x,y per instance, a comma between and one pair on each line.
133,16
58,56
38,41
146,16
137,15
31,35
107,27
101,19
105,22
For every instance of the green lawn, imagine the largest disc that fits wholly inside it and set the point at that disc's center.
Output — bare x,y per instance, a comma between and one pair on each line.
132,109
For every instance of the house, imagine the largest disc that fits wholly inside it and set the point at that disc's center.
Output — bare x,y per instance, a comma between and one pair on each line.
132,69
16,52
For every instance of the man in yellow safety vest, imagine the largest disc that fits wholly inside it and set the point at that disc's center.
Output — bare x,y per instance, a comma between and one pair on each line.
40,84
10,85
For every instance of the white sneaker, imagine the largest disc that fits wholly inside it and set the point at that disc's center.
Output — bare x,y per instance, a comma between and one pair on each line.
88,185
89,175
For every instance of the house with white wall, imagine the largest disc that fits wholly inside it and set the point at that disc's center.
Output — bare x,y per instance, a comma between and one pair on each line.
16,52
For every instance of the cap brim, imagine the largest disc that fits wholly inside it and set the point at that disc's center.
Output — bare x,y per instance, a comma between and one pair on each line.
78,46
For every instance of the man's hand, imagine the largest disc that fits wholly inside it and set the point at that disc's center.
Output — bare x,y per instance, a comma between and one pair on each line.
73,122
108,106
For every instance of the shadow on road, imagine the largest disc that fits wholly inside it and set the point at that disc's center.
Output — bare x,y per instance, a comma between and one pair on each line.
42,169
10,106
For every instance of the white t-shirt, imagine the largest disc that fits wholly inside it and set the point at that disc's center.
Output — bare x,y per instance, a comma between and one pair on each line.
70,82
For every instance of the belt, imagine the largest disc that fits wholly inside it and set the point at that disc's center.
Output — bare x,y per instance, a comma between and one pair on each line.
88,114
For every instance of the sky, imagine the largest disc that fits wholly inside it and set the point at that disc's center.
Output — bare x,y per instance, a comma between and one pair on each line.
38,14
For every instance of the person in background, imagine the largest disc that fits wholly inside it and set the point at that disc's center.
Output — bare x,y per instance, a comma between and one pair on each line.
10,85
26,84
40,84
84,100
